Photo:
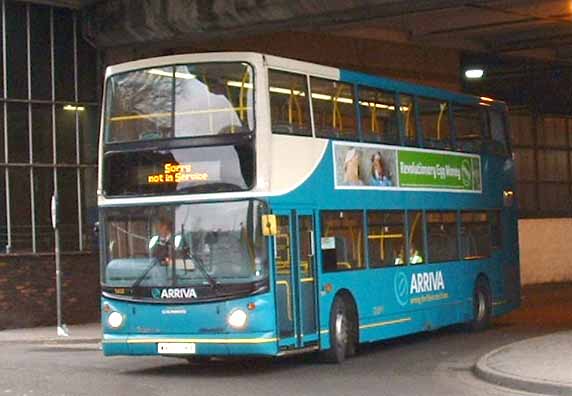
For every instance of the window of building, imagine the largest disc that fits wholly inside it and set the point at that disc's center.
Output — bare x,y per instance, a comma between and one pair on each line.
407,111
334,109
542,148
342,240
3,219
442,236
475,235
289,104
469,123
385,238
416,254
434,121
16,52
41,71
42,77
378,115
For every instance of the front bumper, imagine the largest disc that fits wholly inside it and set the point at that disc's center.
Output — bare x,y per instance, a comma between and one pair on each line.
259,344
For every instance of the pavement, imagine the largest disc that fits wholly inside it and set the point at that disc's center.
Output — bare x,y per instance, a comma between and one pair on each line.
78,334
538,365
541,365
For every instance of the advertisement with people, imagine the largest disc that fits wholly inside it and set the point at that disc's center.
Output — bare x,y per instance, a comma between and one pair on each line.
359,165
364,166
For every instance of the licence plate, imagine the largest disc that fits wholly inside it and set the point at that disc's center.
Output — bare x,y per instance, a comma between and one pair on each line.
176,348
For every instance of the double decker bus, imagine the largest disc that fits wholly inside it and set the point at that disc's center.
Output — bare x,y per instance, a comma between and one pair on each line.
257,205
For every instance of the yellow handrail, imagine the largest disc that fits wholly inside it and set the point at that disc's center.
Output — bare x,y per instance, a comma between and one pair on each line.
373,110
336,113
442,106
293,98
414,225
162,115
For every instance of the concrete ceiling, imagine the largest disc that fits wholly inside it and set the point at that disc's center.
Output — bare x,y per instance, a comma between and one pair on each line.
535,29
74,4
540,29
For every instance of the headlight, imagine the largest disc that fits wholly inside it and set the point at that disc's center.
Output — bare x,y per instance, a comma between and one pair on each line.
115,320
237,319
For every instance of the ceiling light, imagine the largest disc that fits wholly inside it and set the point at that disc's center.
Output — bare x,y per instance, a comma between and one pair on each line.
164,73
74,108
474,73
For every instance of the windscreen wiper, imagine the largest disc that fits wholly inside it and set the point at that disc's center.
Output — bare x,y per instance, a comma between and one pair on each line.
138,281
201,265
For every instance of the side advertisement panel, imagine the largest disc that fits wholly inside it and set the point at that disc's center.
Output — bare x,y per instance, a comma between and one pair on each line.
372,166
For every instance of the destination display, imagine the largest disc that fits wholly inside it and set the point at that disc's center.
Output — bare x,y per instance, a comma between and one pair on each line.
184,173
369,166
180,170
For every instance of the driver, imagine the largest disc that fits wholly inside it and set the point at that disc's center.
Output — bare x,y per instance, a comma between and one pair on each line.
162,249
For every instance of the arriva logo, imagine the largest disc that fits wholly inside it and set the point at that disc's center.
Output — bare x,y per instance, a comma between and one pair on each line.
401,288
179,293
466,173
427,282
422,282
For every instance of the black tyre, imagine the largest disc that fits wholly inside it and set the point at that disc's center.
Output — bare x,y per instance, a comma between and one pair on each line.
482,306
343,334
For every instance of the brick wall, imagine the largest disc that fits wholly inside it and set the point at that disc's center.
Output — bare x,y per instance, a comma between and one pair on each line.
28,290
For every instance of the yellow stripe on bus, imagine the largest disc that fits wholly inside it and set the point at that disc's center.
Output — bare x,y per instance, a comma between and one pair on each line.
378,324
193,340
386,323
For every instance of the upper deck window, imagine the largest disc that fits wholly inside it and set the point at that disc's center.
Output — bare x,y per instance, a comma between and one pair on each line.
497,124
469,122
289,104
378,116
180,101
407,111
334,109
434,117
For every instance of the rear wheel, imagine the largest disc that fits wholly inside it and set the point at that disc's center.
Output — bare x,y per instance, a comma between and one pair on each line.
482,306
343,334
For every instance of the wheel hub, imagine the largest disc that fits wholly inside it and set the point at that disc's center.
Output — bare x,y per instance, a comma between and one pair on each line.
481,306
341,329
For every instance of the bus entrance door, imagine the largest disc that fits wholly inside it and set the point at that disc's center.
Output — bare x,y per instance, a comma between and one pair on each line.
295,280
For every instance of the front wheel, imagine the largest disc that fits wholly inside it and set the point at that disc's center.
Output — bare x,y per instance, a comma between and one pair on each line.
342,329
482,306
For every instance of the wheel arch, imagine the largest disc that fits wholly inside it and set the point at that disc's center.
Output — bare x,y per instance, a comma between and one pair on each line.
482,277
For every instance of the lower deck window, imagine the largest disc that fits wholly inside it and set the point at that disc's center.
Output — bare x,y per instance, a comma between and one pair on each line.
342,240
416,254
496,229
386,238
475,235
442,236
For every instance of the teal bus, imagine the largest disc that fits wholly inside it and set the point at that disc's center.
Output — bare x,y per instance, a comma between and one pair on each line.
256,205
